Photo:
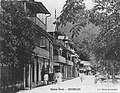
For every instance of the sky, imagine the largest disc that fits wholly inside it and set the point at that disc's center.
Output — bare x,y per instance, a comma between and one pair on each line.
57,5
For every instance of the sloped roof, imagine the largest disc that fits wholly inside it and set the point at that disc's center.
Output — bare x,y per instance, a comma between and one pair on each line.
43,32
37,7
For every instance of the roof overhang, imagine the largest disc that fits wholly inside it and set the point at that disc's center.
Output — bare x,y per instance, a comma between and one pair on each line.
43,32
37,7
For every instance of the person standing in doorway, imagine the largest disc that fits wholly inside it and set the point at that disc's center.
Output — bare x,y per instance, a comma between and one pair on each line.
46,77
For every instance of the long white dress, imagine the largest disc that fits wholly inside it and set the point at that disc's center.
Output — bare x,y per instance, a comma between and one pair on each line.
46,79
81,75
58,77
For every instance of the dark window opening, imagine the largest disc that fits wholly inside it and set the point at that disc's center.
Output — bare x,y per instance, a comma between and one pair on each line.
55,52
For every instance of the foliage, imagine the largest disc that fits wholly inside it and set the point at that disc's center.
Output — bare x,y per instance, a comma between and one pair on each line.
74,12
106,15
18,34
106,46
108,39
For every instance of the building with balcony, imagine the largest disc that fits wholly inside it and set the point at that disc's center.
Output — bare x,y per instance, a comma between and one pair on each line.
32,74
64,57
42,61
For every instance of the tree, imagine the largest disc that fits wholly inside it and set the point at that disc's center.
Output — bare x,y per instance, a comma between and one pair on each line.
106,15
18,35
74,12
108,39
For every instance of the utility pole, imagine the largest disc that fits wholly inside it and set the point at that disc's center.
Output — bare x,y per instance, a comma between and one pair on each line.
24,79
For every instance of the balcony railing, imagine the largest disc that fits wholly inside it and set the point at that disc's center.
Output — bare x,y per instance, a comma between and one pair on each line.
38,22
69,62
41,52
59,59
59,42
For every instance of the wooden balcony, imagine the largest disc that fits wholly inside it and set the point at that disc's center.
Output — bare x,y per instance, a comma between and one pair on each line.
59,59
69,62
42,52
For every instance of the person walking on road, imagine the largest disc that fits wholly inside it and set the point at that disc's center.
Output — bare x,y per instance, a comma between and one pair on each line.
81,75
58,77
97,78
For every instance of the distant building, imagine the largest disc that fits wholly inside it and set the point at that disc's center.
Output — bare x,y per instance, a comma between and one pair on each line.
64,56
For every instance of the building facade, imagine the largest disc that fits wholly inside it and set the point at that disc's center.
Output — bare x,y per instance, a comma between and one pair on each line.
53,51
64,56
42,60
32,74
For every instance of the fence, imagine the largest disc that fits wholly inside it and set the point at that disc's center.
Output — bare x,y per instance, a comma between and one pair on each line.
8,81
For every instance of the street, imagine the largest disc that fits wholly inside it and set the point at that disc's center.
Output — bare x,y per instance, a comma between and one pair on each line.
76,86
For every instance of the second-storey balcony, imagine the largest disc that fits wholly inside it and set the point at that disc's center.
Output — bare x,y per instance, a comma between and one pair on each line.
41,52
69,62
38,22
37,8
59,42
59,59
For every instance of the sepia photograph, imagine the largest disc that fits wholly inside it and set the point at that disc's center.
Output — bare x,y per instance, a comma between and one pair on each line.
59,46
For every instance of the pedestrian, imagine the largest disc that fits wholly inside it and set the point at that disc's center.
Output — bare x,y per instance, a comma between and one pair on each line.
54,77
58,77
97,77
46,77
81,75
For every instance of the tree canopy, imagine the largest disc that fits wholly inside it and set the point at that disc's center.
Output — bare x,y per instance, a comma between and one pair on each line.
106,15
18,34
74,12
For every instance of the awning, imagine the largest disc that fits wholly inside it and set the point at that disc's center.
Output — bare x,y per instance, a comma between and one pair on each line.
37,7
